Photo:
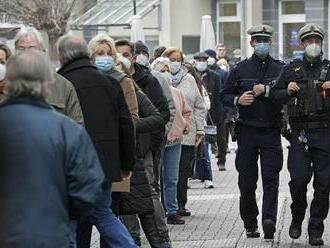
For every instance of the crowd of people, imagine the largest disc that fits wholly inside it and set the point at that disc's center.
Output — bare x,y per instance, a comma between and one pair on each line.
111,139
121,158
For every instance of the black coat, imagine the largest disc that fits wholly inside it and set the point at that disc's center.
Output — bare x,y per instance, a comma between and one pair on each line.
151,87
106,116
49,174
263,112
139,200
212,83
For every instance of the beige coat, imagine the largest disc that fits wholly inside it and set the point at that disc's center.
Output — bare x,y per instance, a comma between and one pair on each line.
188,87
63,98
129,93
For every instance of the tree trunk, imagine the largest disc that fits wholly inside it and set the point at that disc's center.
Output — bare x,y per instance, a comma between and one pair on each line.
52,46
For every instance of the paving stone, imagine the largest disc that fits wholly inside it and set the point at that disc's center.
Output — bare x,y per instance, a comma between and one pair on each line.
215,220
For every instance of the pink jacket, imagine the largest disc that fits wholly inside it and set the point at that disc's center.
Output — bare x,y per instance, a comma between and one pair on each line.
181,123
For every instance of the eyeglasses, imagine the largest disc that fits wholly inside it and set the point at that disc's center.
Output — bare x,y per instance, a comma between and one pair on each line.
20,48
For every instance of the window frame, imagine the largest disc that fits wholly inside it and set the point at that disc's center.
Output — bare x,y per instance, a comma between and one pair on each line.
284,19
223,19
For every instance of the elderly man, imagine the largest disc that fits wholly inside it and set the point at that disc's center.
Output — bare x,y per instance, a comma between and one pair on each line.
110,126
258,129
49,169
63,96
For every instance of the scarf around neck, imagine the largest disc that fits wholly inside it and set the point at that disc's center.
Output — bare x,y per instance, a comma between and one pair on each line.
176,78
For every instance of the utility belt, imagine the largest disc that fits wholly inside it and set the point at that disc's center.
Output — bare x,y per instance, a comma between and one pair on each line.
297,126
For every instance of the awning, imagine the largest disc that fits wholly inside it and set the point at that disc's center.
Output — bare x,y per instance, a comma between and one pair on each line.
8,30
114,13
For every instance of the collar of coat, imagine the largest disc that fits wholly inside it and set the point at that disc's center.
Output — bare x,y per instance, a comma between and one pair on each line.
77,63
28,100
258,60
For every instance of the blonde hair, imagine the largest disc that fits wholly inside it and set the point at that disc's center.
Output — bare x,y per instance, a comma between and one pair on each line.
100,39
170,50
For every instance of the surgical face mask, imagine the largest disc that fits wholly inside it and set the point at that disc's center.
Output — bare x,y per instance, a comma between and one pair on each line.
211,61
313,50
104,63
201,66
142,60
174,67
2,72
262,49
127,63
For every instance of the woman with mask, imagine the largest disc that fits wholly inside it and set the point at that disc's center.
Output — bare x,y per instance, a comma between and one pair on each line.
4,56
103,54
172,152
183,80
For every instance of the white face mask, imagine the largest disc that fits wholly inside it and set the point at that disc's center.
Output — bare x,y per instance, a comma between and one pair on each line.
211,61
2,72
201,66
223,67
313,50
174,67
142,60
127,63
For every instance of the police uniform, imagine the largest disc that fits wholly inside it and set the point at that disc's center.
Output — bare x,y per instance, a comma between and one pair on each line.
258,135
308,112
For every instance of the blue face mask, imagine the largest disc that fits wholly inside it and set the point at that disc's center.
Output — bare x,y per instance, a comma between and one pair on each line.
262,49
104,63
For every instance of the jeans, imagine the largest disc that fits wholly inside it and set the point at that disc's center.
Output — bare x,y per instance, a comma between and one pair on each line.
170,167
112,231
207,156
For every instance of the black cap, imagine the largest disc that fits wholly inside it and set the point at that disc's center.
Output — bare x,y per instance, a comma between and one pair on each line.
139,47
201,55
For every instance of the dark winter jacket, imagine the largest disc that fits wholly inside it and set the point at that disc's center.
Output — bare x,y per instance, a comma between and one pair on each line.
106,115
139,200
263,112
212,83
49,173
151,87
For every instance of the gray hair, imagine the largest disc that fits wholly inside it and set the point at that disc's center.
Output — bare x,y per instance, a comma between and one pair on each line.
71,47
28,74
29,32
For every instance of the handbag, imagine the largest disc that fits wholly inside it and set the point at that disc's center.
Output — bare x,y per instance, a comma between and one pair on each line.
201,164
210,131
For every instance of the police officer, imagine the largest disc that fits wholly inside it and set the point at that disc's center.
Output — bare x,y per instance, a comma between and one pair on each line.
303,87
258,131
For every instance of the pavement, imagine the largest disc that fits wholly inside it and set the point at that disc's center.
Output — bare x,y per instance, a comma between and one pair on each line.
215,220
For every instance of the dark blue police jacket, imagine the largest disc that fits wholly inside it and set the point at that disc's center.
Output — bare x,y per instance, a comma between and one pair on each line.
243,77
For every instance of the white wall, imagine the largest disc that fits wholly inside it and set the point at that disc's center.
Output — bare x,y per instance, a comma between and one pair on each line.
184,17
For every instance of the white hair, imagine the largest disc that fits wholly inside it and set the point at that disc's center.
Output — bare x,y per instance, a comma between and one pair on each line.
28,74
29,32
159,63
71,47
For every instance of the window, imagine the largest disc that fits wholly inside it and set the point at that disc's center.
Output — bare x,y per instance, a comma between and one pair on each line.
229,29
293,7
291,18
190,44
228,9
291,47
230,35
